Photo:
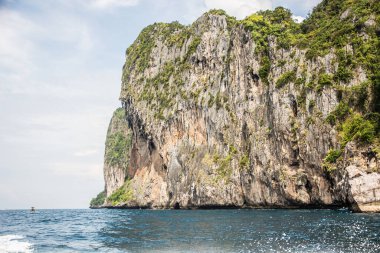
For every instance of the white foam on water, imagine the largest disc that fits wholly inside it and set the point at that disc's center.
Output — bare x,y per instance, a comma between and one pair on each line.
12,244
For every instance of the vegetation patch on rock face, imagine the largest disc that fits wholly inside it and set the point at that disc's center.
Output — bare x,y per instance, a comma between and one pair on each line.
193,47
264,69
277,23
325,80
120,114
359,129
336,24
244,162
118,142
117,147
98,200
122,195
285,79
329,162
339,114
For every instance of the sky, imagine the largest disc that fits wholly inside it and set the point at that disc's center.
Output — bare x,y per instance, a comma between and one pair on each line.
60,71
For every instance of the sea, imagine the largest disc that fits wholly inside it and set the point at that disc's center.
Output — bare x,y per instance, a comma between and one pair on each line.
234,230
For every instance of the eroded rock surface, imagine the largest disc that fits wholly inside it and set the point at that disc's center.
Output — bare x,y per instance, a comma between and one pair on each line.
209,129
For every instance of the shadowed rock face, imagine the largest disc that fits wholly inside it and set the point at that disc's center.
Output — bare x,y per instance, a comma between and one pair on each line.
207,131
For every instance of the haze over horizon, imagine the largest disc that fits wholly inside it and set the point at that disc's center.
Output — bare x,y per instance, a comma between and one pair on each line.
60,70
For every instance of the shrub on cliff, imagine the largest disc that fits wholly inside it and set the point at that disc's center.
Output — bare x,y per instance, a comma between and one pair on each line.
359,129
98,200
117,147
121,195
285,79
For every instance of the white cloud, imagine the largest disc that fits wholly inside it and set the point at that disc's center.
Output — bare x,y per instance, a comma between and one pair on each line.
28,42
239,8
298,7
15,48
105,4
73,30
298,19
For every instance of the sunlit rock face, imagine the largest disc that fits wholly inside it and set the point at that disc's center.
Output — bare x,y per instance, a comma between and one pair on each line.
216,120
116,157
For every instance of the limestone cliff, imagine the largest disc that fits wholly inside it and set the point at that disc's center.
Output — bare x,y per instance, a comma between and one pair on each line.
116,158
261,112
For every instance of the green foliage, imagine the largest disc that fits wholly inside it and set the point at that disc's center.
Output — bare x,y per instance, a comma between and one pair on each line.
311,53
163,77
358,95
193,47
344,73
324,80
122,195
333,155
160,91
285,79
264,69
117,149
359,129
281,63
176,34
352,127
138,54
329,162
218,12
300,81
324,28
98,200
374,117
276,23
310,121
215,158
195,94
218,101
263,25
211,101
329,167
232,150
225,170
339,114
331,119
376,89
301,99
119,113
327,29
244,162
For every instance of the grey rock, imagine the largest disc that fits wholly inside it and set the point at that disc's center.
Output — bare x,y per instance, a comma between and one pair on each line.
225,137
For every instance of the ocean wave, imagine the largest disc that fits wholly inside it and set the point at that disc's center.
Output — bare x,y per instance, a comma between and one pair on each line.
12,244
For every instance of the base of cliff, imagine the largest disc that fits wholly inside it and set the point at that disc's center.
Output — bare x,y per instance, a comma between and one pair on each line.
216,207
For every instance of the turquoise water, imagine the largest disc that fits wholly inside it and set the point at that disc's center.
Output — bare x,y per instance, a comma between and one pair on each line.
189,231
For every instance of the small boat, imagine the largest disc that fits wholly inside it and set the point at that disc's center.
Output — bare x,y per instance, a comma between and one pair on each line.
32,209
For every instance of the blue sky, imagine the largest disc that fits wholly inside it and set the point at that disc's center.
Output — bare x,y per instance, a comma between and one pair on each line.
60,70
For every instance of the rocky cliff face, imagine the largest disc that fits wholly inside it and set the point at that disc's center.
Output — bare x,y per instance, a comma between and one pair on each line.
116,157
227,113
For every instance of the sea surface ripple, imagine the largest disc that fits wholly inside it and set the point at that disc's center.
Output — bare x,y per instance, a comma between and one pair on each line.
237,230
